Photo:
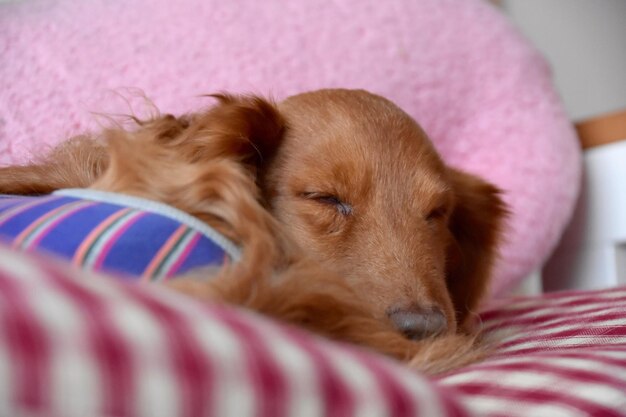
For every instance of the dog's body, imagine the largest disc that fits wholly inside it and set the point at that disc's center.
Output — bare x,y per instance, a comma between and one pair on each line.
350,223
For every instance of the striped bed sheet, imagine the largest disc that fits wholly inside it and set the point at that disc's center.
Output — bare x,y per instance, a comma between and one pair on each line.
77,344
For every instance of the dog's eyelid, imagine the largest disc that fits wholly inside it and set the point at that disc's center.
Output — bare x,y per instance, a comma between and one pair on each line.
318,195
441,206
329,199
437,213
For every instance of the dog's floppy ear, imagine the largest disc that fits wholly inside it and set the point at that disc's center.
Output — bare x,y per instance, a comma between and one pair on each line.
475,223
247,128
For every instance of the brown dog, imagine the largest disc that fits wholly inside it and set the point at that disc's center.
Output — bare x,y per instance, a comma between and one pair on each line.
360,185
350,177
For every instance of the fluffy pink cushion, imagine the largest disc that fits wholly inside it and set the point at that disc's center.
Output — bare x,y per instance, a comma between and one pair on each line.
479,89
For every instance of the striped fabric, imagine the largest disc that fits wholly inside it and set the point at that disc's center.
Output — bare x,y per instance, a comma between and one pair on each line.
108,232
562,354
71,346
76,347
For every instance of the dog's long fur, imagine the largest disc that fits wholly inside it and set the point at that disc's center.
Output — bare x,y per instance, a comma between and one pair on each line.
343,209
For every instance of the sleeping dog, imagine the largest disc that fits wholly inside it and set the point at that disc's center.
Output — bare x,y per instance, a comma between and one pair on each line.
349,222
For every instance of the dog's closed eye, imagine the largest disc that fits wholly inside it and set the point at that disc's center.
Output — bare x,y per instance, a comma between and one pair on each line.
330,200
436,214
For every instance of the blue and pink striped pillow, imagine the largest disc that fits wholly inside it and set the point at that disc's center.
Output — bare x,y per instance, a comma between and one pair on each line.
111,232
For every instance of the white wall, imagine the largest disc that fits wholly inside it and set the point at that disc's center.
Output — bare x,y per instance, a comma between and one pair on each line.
585,41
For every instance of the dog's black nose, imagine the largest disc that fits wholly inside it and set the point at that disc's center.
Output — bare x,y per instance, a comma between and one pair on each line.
419,323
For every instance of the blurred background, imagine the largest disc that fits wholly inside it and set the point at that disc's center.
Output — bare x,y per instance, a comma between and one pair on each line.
585,43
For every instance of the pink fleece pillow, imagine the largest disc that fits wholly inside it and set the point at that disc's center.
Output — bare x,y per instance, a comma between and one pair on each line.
461,69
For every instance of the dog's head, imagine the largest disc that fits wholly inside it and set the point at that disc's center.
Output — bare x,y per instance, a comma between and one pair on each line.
360,187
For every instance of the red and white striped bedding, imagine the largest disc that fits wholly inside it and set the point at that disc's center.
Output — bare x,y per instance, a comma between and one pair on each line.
72,345
562,354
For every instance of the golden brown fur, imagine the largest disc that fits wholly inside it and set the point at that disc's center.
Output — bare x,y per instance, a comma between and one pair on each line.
422,234
349,222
